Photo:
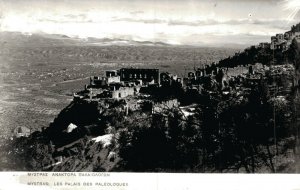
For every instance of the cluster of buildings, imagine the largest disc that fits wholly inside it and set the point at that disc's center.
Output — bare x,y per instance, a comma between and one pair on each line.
277,80
128,82
119,84
282,41
131,87
152,90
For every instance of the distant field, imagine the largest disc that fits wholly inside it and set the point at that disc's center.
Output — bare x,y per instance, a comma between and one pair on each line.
37,81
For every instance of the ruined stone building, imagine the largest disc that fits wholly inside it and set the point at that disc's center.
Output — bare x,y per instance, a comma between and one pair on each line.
123,92
146,75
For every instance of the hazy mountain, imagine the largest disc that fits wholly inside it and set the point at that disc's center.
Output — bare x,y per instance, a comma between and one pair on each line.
18,39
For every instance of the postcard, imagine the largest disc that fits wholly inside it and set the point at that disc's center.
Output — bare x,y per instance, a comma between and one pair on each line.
146,94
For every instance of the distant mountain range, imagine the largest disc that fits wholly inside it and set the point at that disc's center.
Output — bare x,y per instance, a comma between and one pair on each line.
19,39
42,39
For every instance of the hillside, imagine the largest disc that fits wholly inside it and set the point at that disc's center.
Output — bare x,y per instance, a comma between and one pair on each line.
264,55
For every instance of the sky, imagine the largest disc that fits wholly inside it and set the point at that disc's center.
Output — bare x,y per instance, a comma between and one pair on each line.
190,22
